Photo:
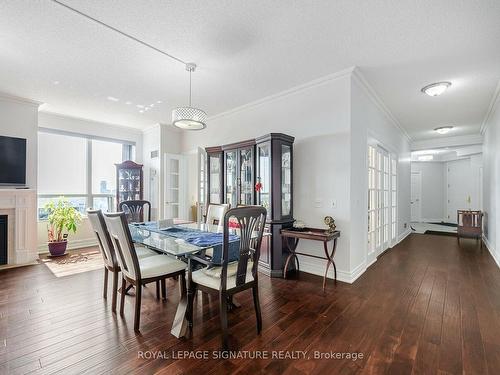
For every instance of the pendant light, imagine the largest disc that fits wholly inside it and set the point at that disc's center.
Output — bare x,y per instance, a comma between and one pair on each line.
189,118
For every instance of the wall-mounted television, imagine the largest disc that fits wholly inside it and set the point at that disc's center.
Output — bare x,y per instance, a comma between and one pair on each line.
12,161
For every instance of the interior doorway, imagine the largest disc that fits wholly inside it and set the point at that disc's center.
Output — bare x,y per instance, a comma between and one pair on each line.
416,197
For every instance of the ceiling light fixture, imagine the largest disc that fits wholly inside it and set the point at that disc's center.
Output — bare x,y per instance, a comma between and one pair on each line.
435,89
443,129
189,118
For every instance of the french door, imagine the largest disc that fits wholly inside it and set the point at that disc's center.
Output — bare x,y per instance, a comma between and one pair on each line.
382,201
174,187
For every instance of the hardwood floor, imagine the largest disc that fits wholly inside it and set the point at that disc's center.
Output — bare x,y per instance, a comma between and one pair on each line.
426,306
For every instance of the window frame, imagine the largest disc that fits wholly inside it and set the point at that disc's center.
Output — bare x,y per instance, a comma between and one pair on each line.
128,153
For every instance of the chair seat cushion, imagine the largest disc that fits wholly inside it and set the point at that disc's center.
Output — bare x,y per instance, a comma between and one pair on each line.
143,252
210,277
159,265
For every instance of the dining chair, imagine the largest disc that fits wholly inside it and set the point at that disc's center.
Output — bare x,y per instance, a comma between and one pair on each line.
108,253
215,217
139,272
228,279
135,210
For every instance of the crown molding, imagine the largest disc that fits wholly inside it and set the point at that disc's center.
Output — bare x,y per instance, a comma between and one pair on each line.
459,140
118,126
491,108
372,94
18,99
296,89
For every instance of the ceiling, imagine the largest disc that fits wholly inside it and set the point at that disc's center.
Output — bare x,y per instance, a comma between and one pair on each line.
246,50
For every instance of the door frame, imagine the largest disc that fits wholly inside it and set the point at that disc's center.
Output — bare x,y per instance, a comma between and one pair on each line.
419,173
183,209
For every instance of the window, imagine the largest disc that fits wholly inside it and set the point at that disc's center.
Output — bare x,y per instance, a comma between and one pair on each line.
80,168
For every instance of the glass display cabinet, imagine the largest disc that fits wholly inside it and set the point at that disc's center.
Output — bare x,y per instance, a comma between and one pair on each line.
257,171
129,182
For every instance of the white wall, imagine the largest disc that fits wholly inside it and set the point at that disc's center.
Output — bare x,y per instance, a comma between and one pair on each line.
317,115
151,142
370,120
19,118
433,198
491,178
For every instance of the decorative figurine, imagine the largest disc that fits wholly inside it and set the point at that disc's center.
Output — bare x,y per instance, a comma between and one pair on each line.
330,223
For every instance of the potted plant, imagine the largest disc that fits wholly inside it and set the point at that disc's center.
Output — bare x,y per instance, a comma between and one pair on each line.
63,218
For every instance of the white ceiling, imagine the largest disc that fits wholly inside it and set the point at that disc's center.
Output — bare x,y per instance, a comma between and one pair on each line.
247,50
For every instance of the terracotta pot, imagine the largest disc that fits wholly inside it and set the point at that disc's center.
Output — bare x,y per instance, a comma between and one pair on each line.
57,248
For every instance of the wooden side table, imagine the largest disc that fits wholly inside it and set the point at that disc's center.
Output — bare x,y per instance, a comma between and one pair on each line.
292,237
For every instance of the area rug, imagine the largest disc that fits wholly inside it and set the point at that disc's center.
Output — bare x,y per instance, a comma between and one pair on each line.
74,262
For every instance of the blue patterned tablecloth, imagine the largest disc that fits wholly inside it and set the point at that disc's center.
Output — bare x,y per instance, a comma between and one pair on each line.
202,239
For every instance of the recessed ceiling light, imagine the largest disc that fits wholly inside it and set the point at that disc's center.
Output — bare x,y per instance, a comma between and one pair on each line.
128,103
139,106
113,99
443,129
152,105
141,111
426,158
56,82
435,89
158,102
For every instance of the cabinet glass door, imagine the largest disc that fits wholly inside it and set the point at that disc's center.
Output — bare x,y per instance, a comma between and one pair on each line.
246,176
286,180
215,179
263,184
231,178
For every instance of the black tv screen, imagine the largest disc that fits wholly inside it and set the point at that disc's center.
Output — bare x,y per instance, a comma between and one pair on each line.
12,161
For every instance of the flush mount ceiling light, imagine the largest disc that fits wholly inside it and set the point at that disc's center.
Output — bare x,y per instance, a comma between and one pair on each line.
435,89
443,129
189,118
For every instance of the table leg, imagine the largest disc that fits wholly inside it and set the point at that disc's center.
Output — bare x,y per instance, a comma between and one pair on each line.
180,324
329,261
292,254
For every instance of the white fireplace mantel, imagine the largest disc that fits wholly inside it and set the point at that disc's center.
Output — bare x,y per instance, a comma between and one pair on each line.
20,207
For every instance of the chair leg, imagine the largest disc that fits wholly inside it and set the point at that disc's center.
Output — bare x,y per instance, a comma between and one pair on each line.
122,297
157,289
256,303
163,289
115,291
137,316
105,291
223,320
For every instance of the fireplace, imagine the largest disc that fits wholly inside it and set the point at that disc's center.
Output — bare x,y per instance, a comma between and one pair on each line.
3,240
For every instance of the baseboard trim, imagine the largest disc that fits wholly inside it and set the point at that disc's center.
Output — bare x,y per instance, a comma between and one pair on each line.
403,235
491,250
72,245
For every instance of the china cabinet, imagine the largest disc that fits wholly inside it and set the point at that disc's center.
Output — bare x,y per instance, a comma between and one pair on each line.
129,182
257,171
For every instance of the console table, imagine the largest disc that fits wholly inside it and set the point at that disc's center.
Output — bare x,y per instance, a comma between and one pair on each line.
292,236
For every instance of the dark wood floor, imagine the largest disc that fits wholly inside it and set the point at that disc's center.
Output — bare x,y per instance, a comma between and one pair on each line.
426,307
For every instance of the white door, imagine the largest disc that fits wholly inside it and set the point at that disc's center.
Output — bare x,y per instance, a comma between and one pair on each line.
202,184
175,190
416,196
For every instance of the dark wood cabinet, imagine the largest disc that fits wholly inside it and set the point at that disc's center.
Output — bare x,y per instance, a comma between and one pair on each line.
257,171
129,182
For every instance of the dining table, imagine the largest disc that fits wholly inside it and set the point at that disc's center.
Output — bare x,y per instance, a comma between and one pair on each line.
165,240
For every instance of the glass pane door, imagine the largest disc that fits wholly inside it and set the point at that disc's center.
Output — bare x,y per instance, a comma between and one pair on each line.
263,184
231,176
215,179
286,180
246,176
